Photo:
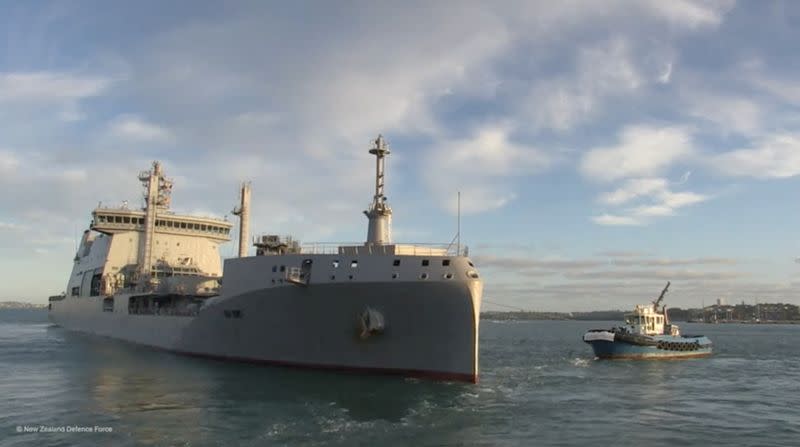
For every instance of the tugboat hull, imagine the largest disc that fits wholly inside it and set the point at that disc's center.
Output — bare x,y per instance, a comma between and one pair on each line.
610,345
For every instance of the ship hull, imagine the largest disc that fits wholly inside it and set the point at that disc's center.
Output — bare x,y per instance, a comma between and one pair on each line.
659,347
430,330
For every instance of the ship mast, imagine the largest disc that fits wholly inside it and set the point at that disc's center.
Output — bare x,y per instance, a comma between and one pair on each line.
379,213
157,198
243,211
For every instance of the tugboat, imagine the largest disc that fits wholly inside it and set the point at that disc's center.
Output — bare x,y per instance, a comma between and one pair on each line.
647,334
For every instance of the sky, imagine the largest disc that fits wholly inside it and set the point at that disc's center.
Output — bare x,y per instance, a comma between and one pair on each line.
600,148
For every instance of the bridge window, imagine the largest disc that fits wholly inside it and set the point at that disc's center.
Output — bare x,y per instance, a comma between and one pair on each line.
396,262
76,291
425,262
445,262
203,227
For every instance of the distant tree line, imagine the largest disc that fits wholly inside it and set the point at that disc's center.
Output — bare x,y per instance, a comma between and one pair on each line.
716,313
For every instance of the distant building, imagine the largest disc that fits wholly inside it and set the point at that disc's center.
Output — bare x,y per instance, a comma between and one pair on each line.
721,302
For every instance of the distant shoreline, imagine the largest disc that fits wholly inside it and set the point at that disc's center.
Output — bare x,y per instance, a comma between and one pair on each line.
20,305
712,315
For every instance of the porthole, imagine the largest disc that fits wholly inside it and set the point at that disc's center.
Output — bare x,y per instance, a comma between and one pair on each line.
395,275
423,276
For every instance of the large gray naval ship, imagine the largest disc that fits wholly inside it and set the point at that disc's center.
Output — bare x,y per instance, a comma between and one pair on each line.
155,278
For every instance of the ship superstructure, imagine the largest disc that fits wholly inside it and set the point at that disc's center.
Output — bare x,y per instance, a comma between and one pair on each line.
153,277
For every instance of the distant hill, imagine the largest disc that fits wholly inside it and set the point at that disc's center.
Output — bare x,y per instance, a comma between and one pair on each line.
20,305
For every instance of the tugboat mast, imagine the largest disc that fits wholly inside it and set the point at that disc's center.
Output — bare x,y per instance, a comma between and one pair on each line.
379,213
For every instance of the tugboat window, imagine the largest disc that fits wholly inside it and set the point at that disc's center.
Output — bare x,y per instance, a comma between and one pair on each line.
396,262
445,262
425,262
336,264
354,264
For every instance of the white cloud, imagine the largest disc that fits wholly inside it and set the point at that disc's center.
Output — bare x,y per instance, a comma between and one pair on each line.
665,77
8,162
633,189
655,198
40,100
602,70
776,156
641,151
614,220
11,226
680,199
729,113
481,167
692,14
132,127
48,86
653,211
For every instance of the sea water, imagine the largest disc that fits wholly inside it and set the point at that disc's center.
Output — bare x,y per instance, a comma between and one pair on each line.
539,385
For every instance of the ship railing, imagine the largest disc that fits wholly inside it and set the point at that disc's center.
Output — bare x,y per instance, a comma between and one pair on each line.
360,248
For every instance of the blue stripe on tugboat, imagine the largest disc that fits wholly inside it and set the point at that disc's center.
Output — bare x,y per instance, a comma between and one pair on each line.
647,334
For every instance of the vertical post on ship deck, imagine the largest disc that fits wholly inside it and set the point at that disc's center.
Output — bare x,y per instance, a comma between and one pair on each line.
458,230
